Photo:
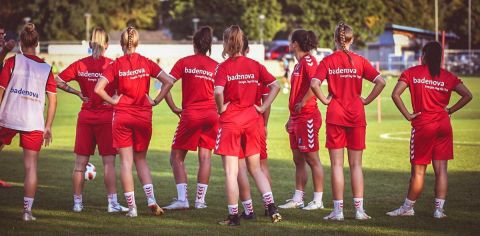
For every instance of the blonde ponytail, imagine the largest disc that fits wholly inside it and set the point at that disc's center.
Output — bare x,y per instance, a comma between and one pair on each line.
99,42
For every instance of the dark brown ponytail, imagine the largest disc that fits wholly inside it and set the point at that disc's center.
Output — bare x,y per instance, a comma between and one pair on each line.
432,57
202,40
307,40
343,35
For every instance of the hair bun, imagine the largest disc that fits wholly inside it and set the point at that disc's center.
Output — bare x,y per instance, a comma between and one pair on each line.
29,27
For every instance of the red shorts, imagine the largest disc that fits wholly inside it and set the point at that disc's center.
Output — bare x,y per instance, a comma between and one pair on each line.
433,141
263,142
32,140
132,130
233,141
342,136
303,133
196,130
94,128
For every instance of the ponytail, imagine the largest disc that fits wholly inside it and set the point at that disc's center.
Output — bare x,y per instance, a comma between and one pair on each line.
343,35
432,57
99,41
307,40
29,36
202,40
232,41
129,39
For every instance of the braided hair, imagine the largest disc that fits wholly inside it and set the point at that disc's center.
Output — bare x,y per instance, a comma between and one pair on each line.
343,35
129,39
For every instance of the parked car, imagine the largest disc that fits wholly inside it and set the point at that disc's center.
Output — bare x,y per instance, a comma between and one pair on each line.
277,49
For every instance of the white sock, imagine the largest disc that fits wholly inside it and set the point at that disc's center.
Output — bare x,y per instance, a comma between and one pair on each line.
338,205
112,199
27,204
268,198
408,204
77,199
298,195
317,196
233,209
439,203
358,203
182,192
201,192
130,197
148,189
248,206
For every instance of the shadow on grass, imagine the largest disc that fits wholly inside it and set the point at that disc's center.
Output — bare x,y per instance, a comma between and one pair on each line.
384,191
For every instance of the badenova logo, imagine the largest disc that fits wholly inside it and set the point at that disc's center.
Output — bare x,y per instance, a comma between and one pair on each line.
428,82
240,77
341,71
24,92
131,72
91,76
197,71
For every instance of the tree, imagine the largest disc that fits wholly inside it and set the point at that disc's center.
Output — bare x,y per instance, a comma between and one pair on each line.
366,18
221,13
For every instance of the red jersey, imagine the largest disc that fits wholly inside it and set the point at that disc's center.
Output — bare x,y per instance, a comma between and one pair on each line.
132,74
86,72
7,70
196,72
300,82
429,95
261,92
345,87
240,77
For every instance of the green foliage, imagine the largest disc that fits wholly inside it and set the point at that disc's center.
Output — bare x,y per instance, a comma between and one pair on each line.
366,18
221,13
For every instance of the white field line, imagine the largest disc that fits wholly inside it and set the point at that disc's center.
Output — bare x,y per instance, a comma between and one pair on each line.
391,136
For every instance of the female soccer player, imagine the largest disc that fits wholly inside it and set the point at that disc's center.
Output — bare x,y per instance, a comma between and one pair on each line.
346,125
432,140
26,78
132,119
243,182
236,83
198,120
304,122
94,124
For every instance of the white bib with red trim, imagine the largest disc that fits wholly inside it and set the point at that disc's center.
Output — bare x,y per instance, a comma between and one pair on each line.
24,99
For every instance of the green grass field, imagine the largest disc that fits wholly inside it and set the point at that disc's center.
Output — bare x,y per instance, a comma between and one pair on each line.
386,170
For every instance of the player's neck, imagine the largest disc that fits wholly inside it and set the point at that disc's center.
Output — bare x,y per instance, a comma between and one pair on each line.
300,54
28,51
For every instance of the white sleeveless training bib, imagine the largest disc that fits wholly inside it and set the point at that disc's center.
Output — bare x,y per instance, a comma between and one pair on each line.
24,98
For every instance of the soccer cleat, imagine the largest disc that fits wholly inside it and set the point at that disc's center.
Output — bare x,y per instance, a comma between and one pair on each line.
313,205
401,211
27,216
178,205
273,213
334,215
200,205
132,212
116,208
77,207
232,220
361,215
251,216
156,209
439,213
290,203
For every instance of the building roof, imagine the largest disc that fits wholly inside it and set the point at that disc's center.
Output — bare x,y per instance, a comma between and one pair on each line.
448,35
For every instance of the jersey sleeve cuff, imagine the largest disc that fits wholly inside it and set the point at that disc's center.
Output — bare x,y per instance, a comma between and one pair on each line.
51,92
378,76
103,77
271,83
